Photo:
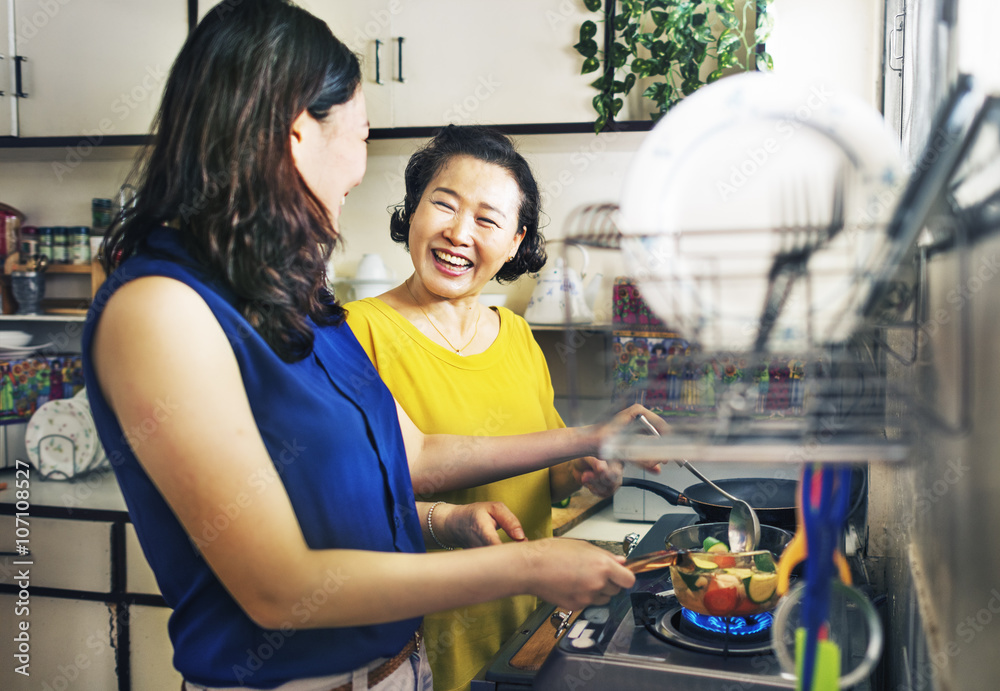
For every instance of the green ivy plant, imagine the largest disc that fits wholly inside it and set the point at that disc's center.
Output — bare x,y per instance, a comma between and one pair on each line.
670,40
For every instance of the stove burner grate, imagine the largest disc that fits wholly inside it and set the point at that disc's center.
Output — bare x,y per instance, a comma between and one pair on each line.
676,628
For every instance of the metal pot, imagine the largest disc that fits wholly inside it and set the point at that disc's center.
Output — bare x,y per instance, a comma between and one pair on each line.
773,500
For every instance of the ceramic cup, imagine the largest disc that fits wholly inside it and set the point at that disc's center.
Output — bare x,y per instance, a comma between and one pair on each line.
372,268
29,289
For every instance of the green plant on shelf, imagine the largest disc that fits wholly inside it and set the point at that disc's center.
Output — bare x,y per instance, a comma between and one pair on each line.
671,43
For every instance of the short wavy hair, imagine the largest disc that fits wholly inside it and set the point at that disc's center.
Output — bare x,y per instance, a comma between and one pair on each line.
490,146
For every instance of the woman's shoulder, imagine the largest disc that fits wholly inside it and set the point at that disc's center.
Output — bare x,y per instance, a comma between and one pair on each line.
515,324
368,312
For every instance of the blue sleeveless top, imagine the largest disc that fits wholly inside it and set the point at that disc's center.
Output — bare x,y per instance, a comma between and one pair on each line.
330,426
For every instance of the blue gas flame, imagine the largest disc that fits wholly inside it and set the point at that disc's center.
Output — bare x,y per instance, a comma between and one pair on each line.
738,626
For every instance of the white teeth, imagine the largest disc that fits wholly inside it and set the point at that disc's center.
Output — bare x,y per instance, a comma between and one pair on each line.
452,259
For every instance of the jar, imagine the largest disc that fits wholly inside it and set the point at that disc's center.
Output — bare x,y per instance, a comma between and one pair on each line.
60,245
45,242
29,243
79,245
100,210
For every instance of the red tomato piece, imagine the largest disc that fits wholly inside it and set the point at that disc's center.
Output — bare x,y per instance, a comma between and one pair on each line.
720,602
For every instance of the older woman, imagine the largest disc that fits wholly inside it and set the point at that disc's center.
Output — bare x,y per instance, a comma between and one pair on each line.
470,215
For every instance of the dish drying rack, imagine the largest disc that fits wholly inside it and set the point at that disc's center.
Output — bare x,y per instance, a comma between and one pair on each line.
821,403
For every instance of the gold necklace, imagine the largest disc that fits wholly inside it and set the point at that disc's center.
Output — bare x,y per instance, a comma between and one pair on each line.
475,331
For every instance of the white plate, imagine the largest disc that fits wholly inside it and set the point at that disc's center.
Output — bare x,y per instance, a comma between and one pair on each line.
14,339
726,166
9,353
61,438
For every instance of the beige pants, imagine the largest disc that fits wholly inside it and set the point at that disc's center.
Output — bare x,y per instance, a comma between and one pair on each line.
412,675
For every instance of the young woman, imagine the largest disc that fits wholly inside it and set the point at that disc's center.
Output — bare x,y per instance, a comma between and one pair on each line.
470,215
267,469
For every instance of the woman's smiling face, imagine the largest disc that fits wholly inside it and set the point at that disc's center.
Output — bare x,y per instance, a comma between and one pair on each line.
465,227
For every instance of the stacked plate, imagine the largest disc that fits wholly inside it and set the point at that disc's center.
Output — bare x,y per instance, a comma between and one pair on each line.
62,439
17,344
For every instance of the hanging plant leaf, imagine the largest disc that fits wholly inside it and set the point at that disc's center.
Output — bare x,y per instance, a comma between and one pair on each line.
619,54
588,30
730,21
763,30
725,7
621,21
765,63
703,34
629,83
593,5
587,48
600,82
689,86
729,40
682,13
591,64
714,75
660,19
616,105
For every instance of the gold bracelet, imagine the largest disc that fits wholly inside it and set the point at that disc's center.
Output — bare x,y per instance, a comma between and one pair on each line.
430,527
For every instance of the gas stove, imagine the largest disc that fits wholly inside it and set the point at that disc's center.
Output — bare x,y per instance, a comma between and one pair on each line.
643,639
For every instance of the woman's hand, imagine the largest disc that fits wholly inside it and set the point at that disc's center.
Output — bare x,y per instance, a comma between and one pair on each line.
572,573
475,525
603,478
628,417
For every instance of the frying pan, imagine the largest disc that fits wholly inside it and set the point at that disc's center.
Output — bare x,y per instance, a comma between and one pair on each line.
773,500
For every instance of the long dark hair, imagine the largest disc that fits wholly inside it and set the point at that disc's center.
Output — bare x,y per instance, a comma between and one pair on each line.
490,146
221,166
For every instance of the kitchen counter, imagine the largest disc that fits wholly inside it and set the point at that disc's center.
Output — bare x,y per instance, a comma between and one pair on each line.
94,496
604,527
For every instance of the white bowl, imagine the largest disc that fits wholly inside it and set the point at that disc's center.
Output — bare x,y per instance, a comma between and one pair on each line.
493,299
14,339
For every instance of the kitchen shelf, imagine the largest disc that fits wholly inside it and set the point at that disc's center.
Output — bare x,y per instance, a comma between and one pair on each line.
43,317
388,133
795,450
571,327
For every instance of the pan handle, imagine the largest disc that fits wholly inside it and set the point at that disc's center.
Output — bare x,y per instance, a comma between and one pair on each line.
668,493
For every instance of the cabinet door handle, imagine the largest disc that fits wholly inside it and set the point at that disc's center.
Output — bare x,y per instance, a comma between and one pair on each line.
378,62
399,43
898,28
1,90
18,59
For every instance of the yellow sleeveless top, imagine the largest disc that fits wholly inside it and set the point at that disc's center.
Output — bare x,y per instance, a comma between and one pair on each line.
504,390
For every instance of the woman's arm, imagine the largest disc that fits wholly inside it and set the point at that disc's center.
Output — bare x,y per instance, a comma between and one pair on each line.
158,347
441,462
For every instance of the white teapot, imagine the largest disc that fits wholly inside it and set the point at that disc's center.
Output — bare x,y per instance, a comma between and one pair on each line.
559,296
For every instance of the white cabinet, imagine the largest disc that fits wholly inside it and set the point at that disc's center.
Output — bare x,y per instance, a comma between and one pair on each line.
90,69
69,644
6,73
466,62
72,555
152,652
